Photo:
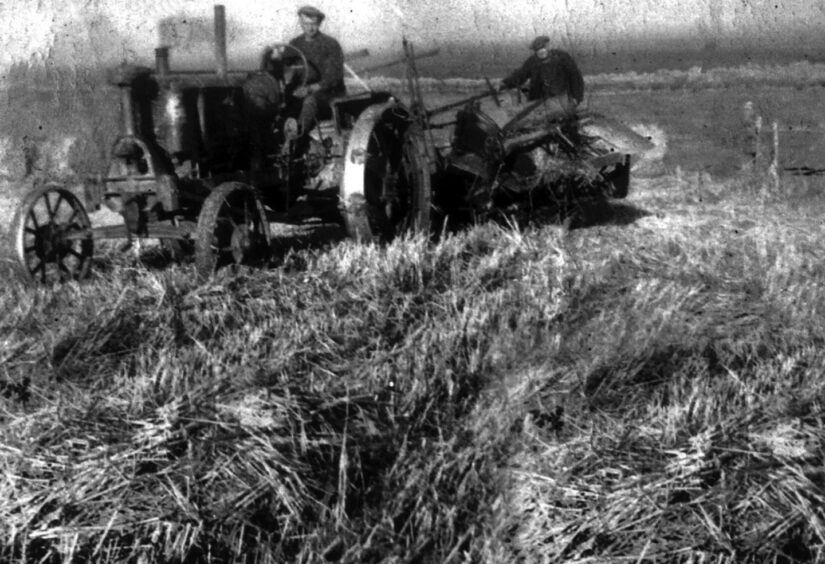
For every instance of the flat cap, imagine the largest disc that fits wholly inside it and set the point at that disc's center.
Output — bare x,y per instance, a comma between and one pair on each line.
311,12
539,42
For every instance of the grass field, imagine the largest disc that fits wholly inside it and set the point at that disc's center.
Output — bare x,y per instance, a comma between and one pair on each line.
643,387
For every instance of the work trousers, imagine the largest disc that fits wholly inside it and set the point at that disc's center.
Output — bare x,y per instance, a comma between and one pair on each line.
314,107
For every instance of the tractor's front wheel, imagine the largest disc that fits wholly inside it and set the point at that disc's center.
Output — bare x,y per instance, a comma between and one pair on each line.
52,236
232,230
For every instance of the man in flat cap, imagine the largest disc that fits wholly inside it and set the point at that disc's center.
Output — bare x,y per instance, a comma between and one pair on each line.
551,73
325,60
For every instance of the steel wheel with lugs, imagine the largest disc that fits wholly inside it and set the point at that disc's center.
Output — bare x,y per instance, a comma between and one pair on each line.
52,236
232,230
389,192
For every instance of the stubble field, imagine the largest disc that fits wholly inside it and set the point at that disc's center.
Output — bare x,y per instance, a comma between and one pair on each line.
645,386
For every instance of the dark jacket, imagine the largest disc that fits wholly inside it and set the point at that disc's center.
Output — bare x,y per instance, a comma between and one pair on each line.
557,74
326,62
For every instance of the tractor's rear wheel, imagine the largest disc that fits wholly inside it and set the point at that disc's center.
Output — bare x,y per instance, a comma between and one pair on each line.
393,195
232,230
52,236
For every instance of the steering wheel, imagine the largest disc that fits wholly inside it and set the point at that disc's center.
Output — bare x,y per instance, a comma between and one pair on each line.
303,67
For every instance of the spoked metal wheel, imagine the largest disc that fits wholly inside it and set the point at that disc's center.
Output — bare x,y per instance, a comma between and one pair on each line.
52,236
232,229
390,192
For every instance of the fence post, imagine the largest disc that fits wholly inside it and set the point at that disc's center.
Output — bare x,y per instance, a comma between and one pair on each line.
757,149
752,128
774,168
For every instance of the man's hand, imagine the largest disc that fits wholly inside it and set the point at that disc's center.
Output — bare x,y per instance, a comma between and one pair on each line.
271,59
271,52
304,91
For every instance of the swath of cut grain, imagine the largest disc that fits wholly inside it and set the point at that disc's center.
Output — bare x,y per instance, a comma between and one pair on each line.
640,390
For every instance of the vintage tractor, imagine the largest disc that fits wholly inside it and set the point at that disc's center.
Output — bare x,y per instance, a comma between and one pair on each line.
204,165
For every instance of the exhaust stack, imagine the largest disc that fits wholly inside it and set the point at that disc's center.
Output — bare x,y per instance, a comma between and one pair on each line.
220,40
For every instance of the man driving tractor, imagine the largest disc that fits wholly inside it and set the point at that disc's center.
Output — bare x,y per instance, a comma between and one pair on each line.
548,73
325,69
305,98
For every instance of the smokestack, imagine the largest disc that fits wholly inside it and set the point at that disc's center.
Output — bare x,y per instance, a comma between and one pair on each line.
162,62
220,40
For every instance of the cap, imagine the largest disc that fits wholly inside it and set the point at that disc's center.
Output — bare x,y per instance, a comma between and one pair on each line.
539,42
311,12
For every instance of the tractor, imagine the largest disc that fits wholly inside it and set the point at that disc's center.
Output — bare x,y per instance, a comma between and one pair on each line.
204,166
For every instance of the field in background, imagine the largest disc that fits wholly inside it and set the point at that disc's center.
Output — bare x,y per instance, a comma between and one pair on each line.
643,387
486,57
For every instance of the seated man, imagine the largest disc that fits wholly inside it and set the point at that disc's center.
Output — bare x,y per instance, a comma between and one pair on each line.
551,73
325,61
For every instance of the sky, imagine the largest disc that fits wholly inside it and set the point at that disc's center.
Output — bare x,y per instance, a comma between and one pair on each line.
107,31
